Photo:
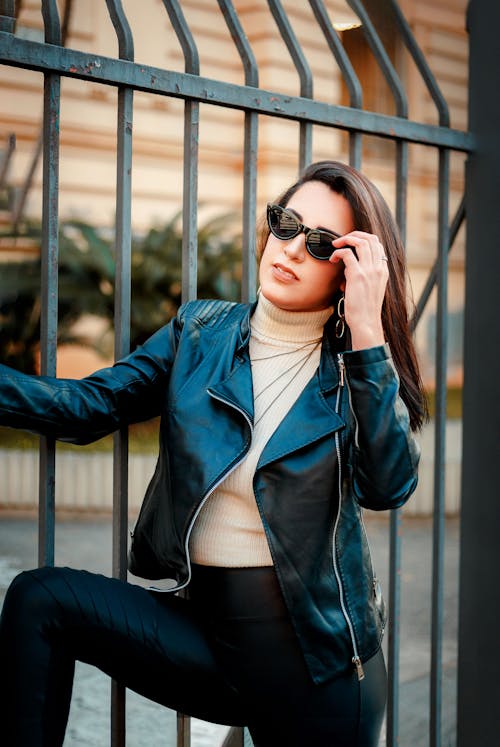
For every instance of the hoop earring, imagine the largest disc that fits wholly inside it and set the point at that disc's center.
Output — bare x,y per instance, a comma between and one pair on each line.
340,324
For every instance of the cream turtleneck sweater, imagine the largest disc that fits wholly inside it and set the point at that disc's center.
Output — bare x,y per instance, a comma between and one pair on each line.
285,348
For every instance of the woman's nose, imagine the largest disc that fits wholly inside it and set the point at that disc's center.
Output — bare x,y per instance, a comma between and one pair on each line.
296,248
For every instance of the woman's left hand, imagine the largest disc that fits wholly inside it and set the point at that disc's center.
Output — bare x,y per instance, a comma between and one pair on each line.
365,282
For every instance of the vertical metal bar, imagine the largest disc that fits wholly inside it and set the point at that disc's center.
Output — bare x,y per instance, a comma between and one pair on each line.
189,211
190,201
420,62
122,347
49,300
439,452
395,527
393,638
49,291
441,362
249,265
6,160
401,103
122,302
123,247
191,142
455,225
305,76
183,730
18,210
381,56
355,149
350,78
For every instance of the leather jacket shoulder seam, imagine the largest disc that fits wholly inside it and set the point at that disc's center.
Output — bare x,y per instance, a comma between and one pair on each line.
212,313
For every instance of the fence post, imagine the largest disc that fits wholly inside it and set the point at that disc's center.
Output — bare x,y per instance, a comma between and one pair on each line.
479,655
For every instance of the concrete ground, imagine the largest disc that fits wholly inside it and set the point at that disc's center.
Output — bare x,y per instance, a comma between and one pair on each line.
86,543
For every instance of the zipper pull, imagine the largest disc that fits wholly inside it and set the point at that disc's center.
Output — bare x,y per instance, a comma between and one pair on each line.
340,359
359,667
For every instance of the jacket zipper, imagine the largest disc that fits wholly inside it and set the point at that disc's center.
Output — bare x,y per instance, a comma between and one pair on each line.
202,503
356,660
343,379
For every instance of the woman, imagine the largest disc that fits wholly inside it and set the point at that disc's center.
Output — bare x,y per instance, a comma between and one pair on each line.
278,422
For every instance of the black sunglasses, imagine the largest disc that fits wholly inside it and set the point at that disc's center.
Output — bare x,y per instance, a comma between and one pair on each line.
284,225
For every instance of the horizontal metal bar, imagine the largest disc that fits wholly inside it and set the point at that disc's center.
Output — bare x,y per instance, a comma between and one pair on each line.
82,65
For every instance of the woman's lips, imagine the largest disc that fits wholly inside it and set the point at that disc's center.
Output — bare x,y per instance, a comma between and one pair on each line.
283,273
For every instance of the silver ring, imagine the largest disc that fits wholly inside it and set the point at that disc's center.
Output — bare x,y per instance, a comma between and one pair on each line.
384,259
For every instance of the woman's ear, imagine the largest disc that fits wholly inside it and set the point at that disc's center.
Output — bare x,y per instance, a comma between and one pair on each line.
342,286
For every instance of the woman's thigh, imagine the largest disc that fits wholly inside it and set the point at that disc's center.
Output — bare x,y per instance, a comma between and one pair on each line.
153,643
285,706
258,649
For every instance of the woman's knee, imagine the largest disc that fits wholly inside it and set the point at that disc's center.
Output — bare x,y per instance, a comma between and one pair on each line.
29,597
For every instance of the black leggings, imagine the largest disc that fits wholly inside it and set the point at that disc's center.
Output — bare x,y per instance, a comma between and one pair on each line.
228,654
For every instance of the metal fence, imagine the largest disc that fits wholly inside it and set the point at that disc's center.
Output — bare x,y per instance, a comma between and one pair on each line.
55,61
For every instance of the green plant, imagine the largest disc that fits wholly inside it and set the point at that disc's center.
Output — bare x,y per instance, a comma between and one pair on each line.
86,283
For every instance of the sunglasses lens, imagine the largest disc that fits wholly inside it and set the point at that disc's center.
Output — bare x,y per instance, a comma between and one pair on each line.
285,226
282,224
319,244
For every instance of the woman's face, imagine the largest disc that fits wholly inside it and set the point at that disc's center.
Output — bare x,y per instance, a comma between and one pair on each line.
289,277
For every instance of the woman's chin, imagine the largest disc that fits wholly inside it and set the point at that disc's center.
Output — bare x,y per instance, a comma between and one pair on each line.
279,296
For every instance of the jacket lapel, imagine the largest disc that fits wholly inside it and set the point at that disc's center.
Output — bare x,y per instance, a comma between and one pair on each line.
236,389
312,416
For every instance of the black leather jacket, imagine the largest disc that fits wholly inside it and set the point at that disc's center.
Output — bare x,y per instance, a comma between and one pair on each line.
345,444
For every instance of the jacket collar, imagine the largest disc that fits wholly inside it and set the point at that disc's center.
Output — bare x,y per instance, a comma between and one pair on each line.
245,330
328,368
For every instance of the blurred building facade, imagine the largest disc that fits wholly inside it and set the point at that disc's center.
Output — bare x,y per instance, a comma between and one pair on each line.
88,123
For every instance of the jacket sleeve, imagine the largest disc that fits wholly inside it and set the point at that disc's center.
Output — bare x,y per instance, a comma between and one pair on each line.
385,453
84,410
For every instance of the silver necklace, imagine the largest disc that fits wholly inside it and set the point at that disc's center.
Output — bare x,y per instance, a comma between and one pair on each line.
286,352
300,363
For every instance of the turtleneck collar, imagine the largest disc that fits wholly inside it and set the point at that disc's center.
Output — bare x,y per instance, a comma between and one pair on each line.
269,321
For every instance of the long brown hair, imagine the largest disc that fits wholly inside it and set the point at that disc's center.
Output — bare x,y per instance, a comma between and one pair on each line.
371,213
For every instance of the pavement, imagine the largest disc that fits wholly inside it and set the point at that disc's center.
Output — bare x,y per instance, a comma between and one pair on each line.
85,542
